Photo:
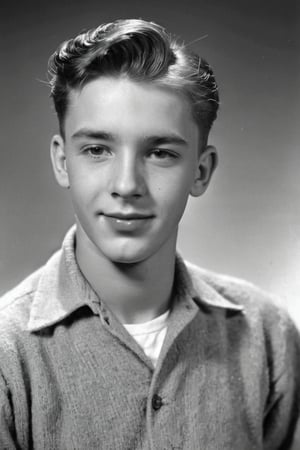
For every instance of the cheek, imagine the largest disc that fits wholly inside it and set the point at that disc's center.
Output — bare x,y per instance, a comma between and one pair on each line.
177,188
172,198
85,187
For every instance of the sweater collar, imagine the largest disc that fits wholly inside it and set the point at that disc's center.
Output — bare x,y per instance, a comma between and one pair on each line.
62,289
198,284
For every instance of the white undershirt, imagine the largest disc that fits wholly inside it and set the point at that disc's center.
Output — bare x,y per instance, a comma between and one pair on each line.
150,335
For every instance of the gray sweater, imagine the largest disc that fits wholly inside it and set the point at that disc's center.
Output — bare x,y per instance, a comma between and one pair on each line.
71,377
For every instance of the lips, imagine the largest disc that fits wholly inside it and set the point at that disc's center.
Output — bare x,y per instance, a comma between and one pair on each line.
126,217
127,223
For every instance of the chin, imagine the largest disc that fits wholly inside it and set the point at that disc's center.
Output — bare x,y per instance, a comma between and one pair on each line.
126,256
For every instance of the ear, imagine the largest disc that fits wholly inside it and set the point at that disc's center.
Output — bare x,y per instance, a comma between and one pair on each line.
207,163
59,162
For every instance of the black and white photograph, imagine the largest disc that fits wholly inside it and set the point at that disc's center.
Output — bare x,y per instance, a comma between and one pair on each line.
150,225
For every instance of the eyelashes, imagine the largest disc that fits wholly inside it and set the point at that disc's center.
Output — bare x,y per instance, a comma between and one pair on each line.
97,151
101,152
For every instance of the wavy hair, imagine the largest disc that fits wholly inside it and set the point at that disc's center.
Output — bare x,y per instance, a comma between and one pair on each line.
144,52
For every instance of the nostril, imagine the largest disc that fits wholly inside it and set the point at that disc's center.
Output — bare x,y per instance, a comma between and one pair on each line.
134,195
132,187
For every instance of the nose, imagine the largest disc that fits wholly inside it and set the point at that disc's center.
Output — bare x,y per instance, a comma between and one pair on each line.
127,177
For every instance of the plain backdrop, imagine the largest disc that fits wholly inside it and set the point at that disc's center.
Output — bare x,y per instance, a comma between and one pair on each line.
248,223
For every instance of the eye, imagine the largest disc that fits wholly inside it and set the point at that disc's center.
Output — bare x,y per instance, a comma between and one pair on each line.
97,151
162,154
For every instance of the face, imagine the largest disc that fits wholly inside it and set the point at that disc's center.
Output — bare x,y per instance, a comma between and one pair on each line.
131,158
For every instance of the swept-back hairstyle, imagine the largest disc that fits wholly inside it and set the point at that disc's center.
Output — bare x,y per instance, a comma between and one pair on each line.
143,52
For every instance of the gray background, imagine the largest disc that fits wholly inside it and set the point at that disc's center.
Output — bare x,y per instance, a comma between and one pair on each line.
248,223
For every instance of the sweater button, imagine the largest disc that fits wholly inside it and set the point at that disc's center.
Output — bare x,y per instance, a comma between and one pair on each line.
156,402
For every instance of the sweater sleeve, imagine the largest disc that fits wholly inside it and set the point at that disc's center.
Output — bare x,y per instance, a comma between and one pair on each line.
7,429
282,416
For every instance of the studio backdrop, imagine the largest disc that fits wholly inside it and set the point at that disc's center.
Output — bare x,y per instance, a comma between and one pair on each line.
248,222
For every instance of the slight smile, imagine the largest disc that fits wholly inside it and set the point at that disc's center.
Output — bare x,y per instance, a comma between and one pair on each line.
132,216
127,222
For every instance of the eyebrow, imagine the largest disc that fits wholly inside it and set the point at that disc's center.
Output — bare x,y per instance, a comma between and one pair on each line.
93,134
167,139
170,138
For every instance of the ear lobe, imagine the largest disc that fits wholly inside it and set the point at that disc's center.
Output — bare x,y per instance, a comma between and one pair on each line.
58,159
207,164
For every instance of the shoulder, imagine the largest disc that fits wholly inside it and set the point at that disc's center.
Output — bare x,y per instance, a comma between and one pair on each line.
253,299
15,307
264,314
263,327
19,346
20,296
17,301
16,304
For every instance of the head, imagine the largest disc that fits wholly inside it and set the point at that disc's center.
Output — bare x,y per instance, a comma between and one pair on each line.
141,51
134,109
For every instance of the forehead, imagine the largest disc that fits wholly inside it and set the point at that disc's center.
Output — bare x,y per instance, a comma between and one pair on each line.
126,106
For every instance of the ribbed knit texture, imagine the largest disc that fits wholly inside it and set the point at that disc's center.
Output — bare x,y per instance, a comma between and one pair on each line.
71,376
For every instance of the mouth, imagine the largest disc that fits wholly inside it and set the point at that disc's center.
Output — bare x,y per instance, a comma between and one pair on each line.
128,217
127,223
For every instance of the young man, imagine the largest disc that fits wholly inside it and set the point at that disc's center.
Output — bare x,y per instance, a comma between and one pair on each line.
117,343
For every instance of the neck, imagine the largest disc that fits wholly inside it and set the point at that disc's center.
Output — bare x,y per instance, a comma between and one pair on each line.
136,292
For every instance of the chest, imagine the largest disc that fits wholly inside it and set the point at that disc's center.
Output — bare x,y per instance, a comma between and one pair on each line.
101,393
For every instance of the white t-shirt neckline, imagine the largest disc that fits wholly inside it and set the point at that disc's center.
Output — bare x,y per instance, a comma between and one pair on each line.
150,335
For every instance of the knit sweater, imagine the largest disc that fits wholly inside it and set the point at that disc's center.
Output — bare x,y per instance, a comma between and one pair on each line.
71,376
